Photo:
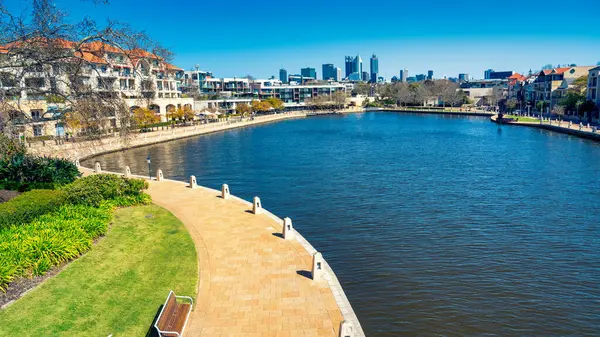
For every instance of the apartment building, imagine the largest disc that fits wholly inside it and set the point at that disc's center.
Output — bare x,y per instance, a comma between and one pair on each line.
551,85
138,77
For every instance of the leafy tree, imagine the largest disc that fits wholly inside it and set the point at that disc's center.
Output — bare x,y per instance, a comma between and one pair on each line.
260,106
571,101
541,105
275,103
243,109
188,113
144,117
580,84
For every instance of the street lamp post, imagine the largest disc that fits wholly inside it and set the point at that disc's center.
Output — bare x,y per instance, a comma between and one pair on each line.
149,171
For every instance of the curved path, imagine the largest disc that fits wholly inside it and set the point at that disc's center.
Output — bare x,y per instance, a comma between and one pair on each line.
252,281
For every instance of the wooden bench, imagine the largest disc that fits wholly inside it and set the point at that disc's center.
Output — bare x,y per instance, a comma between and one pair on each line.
173,316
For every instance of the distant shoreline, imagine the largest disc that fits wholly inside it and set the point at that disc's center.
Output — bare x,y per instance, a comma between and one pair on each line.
555,128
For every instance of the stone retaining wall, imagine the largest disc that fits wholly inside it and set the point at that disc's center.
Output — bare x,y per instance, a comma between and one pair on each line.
90,148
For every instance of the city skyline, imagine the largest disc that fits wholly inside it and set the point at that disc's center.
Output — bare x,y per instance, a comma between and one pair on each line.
441,45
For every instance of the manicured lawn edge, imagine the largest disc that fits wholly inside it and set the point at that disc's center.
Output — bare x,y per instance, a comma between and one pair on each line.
118,286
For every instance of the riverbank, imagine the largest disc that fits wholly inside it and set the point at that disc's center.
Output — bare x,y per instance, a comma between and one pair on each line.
252,279
563,127
438,112
90,148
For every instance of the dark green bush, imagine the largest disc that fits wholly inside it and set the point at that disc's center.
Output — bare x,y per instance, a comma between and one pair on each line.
23,170
95,189
30,205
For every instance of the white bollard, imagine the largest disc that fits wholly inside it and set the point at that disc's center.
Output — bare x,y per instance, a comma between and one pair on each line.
159,175
288,229
127,172
225,191
193,182
77,163
97,167
256,206
346,329
317,266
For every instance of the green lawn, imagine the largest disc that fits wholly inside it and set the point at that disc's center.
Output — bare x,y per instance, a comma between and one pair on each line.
524,119
117,287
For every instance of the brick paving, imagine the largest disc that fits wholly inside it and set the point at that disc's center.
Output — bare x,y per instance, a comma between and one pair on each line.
252,282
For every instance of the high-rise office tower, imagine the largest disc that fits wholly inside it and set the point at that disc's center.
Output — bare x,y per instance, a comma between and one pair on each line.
349,64
309,72
283,77
430,74
329,72
365,76
338,74
358,65
463,77
488,74
403,75
374,63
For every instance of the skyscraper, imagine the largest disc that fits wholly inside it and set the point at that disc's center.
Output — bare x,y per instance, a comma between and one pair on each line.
488,74
329,71
374,62
463,77
365,76
338,74
403,75
420,77
430,74
349,62
358,65
309,72
283,75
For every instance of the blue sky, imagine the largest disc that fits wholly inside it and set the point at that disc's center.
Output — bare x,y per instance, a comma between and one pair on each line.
236,38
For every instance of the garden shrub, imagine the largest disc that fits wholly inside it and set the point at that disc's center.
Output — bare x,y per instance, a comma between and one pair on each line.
52,239
21,171
95,189
30,205
44,228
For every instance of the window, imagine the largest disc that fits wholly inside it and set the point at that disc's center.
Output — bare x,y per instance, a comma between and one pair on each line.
593,94
36,114
37,131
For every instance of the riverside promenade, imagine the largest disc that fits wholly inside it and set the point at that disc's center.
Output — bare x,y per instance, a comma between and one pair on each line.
252,281
563,127
88,148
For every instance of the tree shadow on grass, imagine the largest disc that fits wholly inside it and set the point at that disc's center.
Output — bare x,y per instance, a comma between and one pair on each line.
151,331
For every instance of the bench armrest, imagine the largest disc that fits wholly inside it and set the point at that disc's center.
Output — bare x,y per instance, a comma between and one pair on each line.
191,300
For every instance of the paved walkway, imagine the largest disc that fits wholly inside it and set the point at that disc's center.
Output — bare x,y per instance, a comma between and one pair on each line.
252,282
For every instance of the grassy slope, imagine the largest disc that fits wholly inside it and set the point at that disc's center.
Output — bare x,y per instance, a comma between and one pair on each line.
117,287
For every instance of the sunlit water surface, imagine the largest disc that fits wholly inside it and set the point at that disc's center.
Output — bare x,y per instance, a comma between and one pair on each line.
435,225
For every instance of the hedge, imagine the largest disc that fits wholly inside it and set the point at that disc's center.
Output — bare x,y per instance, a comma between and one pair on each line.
30,205
93,190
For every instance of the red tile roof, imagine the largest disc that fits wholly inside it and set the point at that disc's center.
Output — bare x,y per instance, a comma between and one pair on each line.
560,70
89,57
